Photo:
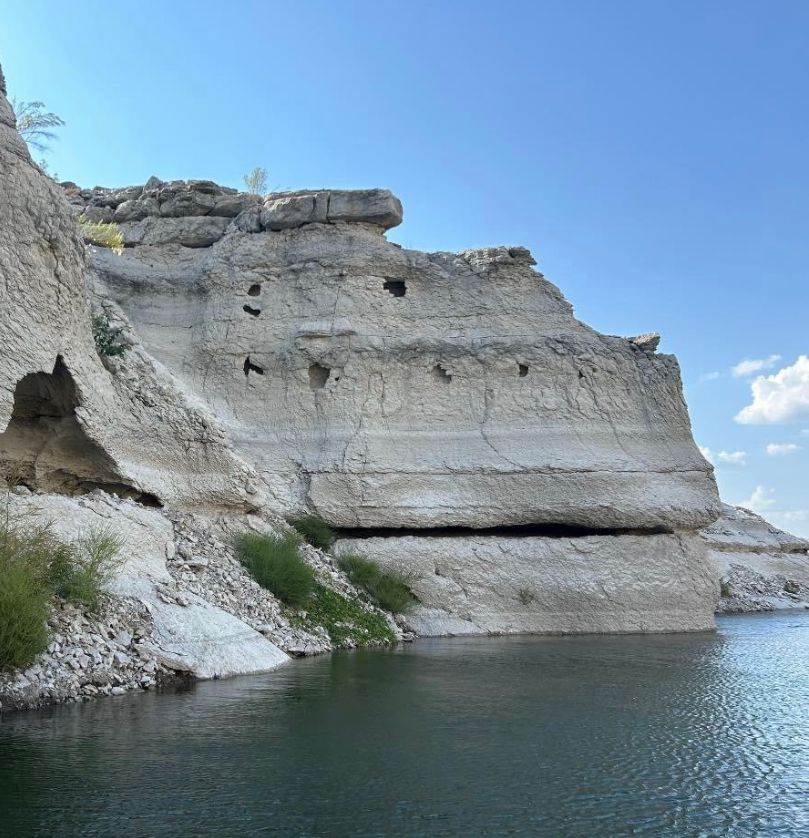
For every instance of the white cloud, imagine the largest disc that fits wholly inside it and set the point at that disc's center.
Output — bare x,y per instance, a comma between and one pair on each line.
750,365
782,397
736,458
761,500
709,376
795,514
781,449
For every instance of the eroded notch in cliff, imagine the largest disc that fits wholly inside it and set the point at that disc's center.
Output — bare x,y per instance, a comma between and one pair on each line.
395,287
251,311
440,374
45,447
249,367
548,530
318,376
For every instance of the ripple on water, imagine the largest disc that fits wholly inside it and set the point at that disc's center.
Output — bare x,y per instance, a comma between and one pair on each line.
658,735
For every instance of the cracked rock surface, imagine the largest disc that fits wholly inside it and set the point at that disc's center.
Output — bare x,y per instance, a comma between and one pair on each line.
385,387
761,566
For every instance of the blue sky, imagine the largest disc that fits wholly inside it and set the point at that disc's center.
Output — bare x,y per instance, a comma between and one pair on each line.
651,154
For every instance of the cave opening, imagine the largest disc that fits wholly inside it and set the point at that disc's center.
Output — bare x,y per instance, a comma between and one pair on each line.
396,287
249,367
523,370
46,449
254,290
252,311
440,374
318,376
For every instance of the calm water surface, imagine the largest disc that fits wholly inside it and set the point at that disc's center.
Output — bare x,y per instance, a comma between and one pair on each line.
674,735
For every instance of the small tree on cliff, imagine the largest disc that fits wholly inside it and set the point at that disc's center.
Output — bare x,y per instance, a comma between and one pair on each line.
256,181
36,125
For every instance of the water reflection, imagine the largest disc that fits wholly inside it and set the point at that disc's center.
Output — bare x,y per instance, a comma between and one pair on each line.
662,735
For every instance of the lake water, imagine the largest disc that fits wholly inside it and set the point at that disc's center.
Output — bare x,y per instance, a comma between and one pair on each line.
702,734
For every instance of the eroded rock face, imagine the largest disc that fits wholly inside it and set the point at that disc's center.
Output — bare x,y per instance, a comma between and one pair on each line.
594,584
68,421
761,566
383,387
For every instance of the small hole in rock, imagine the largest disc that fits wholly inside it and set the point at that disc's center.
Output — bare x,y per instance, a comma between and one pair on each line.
254,290
318,376
523,370
249,367
440,374
250,310
396,287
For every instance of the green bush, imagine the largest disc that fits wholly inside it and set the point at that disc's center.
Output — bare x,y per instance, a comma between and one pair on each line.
725,591
389,589
107,338
79,574
34,566
25,595
275,563
315,530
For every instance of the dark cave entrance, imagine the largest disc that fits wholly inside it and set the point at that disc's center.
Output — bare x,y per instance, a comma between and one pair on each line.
45,448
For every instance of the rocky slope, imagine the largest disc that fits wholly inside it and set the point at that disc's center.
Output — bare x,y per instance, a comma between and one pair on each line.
761,567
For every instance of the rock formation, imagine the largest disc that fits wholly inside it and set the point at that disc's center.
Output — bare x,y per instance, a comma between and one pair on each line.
761,567
446,413
404,395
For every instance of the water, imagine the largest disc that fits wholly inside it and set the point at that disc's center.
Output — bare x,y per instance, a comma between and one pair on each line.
660,735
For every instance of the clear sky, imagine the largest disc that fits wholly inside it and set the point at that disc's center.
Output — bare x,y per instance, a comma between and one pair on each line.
652,155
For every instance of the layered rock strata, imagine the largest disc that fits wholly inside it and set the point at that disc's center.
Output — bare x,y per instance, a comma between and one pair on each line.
761,567
405,395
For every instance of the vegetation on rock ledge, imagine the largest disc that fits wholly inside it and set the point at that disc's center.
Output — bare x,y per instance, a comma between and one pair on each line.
107,338
346,621
389,589
315,530
35,567
103,234
276,564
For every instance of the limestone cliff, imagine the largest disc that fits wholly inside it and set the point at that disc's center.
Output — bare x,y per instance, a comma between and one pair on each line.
446,412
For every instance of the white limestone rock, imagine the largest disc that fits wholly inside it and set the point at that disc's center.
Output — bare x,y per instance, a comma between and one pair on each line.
383,387
539,584
761,566
69,421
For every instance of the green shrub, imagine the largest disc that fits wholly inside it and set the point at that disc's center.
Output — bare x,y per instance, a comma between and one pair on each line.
526,596
103,234
275,563
315,530
107,339
34,566
24,596
725,590
345,620
27,555
79,574
389,589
